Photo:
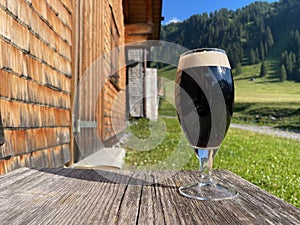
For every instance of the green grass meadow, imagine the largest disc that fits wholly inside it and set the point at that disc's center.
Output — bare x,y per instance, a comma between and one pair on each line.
266,101
269,162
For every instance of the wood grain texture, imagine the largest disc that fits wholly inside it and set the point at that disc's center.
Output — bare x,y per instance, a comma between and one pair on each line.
98,99
146,11
69,196
138,28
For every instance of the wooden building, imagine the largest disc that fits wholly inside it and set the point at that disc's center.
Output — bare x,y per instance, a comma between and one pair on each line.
142,23
47,48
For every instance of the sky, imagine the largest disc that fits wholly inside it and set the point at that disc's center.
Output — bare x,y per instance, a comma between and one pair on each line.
178,10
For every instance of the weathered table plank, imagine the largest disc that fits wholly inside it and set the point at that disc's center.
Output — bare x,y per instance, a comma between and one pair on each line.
73,196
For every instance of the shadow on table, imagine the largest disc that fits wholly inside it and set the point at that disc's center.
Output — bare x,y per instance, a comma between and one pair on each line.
126,177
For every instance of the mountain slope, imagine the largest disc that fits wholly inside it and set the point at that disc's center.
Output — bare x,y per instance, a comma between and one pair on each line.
260,31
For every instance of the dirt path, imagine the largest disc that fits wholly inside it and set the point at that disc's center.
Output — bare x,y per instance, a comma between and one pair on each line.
262,130
267,130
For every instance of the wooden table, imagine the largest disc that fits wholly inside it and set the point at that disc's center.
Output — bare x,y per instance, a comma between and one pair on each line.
73,196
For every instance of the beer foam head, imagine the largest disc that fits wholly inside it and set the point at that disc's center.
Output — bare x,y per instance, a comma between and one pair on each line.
203,57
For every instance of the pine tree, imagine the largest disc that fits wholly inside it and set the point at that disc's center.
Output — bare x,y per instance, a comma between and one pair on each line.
298,75
266,49
263,69
253,57
262,27
257,53
269,37
283,75
262,51
238,68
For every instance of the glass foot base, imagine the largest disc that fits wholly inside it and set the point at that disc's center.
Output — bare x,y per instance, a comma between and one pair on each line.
207,191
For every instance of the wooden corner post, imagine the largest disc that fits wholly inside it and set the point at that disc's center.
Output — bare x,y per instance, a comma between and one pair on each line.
75,75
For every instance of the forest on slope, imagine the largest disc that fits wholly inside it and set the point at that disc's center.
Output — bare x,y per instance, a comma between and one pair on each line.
250,35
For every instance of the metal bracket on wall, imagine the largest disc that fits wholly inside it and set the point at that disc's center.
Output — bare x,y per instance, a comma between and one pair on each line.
79,124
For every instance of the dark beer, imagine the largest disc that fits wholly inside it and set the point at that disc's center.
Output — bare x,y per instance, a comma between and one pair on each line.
204,97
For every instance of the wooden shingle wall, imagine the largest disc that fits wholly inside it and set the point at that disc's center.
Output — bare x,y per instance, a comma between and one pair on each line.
35,82
47,47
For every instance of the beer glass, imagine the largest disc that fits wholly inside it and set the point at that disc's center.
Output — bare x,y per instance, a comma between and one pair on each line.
204,98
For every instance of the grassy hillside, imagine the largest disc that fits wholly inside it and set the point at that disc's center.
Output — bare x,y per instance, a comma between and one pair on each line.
252,34
250,87
266,100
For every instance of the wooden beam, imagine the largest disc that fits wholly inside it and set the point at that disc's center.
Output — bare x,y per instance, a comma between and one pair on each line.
137,38
149,11
138,28
126,10
75,72
144,44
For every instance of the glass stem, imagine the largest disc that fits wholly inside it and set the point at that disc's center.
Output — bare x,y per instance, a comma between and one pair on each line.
206,157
